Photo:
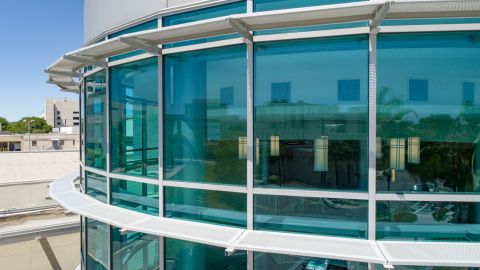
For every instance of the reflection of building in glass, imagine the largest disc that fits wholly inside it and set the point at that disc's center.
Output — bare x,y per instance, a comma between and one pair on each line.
278,135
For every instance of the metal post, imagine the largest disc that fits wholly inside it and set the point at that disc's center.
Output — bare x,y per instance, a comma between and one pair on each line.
161,244
250,139
372,135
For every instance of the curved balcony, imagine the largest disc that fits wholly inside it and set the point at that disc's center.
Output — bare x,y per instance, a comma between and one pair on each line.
378,252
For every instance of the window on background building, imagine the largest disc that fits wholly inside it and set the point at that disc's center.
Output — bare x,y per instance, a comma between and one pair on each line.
95,120
202,132
280,92
136,196
237,7
133,249
134,118
348,90
226,96
206,206
34,143
306,138
430,144
468,93
418,90
337,217
189,255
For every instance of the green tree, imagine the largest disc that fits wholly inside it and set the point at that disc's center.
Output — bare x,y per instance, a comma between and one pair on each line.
4,123
38,125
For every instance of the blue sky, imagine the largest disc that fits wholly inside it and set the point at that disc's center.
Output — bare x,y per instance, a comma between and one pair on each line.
33,34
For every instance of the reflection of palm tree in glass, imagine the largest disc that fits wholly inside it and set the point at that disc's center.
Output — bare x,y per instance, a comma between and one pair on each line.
391,123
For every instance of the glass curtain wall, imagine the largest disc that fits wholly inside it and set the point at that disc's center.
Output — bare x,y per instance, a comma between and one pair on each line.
134,118
204,14
137,28
134,251
337,217
266,5
265,261
97,242
180,255
428,221
136,196
96,186
205,125
428,113
227,208
95,119
311,113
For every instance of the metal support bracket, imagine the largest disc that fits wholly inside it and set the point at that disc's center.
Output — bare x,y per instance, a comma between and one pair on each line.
388,266
65,73
86,60
47,248
240,27
142,45
380,15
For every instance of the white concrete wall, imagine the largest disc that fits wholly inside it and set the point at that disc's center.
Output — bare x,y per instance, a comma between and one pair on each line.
100,16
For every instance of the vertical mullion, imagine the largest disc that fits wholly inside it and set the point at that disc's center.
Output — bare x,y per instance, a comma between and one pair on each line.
107,167
372,134
107,131
161,203
250,138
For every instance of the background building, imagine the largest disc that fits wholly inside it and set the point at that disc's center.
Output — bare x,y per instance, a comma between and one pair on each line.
62,112
35,232
273,134
39,142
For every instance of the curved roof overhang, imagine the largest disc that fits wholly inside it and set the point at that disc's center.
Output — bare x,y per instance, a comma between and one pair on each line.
63,71
379,252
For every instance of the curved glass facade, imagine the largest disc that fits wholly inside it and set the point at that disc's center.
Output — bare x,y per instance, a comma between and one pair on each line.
294,133
134,118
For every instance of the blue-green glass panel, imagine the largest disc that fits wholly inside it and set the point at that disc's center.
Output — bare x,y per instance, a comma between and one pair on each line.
96,186
427,134
337,217
134,251
204,137
428,221
98,245
204,14
134,118
311,138
95,120
137,28
287,262
430,21
410,267
136,196
311,28
182,255
208,206
266,5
